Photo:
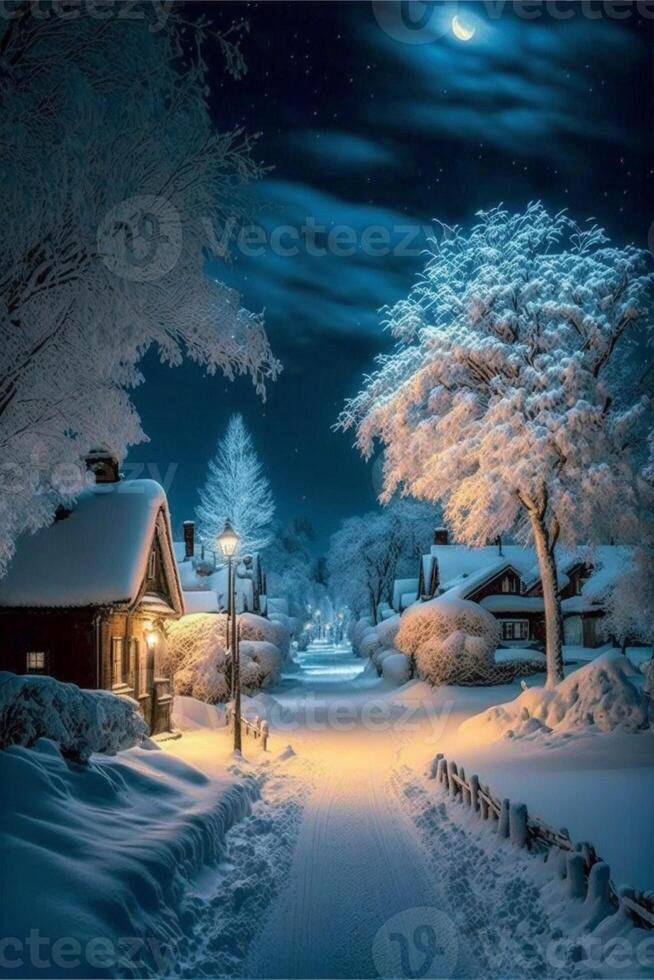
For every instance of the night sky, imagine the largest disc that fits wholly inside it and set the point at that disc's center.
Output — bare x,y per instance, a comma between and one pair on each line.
363,129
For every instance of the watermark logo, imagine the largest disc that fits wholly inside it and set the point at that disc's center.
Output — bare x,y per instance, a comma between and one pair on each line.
141,238
418,942
414,21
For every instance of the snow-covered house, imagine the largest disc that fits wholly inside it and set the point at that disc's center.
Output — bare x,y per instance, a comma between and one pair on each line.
205,580
505,580
86,598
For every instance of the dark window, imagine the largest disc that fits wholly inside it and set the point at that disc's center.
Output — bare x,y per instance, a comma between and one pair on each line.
36,662
515,629
152,564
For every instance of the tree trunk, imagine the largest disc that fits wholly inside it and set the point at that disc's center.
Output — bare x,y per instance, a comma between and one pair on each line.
551,598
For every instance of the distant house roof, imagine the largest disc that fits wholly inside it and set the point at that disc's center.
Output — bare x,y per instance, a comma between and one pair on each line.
207,591
405,591
609,563
98,554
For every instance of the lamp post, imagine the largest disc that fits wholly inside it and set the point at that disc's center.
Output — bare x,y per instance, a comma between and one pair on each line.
228,542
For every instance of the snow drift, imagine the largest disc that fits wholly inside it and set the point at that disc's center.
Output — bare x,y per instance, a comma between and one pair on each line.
602,696
79,722
109,850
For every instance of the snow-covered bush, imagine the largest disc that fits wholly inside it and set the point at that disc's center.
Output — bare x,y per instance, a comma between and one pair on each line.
458,659
266,658
80,722
600,696
396,668
358,631
258,628
439,618
195,656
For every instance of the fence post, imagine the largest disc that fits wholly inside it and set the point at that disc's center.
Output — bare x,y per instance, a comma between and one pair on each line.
264,734
441,771
452,771
576,877
503,823
518,829
474,793
435,764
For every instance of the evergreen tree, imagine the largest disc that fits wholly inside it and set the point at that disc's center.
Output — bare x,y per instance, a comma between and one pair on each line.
236,490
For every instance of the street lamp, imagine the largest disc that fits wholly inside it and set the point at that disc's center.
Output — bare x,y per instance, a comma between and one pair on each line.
228,542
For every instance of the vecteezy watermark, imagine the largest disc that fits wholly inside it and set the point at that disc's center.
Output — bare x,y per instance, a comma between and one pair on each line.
417,942
127,954
424,21
414,718
317,239
155,12
141,238
70,478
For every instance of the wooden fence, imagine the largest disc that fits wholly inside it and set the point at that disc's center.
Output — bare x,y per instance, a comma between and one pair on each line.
586,873
257,727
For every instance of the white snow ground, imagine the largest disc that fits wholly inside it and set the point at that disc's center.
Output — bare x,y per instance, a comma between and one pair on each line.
338,858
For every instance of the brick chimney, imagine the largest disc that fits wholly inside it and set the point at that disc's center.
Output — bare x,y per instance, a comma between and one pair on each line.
441,536
189,539
104,465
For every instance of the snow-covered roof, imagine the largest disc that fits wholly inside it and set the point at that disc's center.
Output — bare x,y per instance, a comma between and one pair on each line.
509,603
200,602
405,590
209,592
96,555
609,563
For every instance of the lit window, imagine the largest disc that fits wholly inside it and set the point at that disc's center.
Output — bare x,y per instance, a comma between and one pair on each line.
35,661
117,660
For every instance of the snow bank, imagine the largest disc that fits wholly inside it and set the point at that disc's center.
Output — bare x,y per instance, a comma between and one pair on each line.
189,714
601,696
109,850
79,722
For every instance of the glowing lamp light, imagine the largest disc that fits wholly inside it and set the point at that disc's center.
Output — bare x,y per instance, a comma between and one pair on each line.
151,639
228,541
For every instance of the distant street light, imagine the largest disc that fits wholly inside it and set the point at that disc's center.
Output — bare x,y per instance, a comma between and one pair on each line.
229,542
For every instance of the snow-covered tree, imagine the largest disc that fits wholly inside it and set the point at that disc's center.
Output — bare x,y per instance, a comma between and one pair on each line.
366,553
508,396
291,567
113,175
236,490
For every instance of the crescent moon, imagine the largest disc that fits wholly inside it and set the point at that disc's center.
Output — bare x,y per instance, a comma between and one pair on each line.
459,30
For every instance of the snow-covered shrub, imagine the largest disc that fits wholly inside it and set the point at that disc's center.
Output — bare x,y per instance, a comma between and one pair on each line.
80,722
258,628
439,618
458,659
600,696
195,656
370,643
266,658
387,630
357,631
396,668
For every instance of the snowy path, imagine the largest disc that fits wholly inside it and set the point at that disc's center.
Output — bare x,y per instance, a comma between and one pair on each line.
351,864
358,860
